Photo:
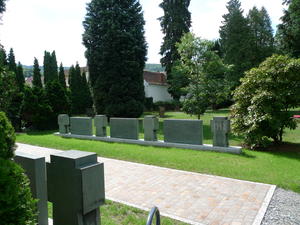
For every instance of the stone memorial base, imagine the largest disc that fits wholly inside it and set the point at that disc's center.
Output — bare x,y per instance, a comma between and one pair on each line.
205,147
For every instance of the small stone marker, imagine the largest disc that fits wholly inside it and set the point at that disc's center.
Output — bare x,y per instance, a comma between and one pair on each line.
100,122
64,123
35,169
76,188
151,126
183,131
81,126
126,128
220,126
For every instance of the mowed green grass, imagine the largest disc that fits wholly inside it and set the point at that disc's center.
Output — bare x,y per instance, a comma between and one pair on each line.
279,166
113,213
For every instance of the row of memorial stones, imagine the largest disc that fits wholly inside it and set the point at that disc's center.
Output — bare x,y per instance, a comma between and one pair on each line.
175,131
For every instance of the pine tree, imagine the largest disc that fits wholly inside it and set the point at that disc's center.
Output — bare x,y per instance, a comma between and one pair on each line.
76,89
12,66
61,76
262,41
2,6
175,22
3,60
20,77
37,81
235,39
289,30
50,67
86,93
116,54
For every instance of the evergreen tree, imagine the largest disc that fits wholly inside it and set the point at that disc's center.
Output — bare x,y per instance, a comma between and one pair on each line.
50,67
37,81
235,39
3,60
75,88
116,54
262,41
12,66
2,6
289,30
175,22
61,76
20,77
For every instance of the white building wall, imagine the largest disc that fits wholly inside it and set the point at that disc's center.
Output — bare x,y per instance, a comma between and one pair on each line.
157,92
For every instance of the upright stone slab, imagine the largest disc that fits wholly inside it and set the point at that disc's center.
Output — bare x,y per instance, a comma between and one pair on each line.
126,128
183,131
220,127
151,126
35,169
81,126
64,123
75,187
100,122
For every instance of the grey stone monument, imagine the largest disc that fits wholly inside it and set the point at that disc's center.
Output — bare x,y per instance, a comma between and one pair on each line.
183,131
151,126
75,187
64,123
220,126
35,169
127,128
81,126
100,122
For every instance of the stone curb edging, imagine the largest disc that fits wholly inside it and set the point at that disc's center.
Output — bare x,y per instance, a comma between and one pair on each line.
205,147
262,211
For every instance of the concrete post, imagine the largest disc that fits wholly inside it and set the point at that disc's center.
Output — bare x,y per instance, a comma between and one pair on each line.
151,126
220,126
64,123
75,187
35,169
100,122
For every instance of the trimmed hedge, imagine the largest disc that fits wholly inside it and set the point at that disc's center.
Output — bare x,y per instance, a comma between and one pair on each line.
7,137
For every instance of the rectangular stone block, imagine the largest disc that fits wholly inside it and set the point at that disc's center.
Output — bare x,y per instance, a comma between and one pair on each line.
35,169
100,122
151,126
126,128
220,127
63,123
183,131
81,126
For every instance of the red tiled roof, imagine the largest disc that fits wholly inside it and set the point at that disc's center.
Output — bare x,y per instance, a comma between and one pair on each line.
155,78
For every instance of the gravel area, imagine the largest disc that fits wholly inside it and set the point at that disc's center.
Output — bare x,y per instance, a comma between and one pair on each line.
284,209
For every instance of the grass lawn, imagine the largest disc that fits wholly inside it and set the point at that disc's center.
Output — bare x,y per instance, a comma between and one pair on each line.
281,166
113,213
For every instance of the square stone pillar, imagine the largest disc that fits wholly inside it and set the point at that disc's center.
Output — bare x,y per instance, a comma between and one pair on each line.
75,187
151,126
64,123
220,127
35,169
100,122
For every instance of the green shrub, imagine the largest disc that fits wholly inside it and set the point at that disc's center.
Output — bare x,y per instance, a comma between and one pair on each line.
7,138
263,100
16,204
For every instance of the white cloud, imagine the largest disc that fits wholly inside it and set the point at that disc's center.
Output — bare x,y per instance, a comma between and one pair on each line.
32,26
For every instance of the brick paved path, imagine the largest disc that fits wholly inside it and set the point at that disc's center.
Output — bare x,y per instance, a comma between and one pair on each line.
190,197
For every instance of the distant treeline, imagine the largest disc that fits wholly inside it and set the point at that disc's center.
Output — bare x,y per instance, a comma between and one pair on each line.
28,70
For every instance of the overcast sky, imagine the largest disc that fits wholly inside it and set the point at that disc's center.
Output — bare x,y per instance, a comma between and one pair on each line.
32,26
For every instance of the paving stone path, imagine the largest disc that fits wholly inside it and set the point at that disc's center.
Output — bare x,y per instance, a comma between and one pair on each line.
190,197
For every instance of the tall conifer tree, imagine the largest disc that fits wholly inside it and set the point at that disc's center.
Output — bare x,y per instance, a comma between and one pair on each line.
235,39
175,22
37,80
116,54
288,32
20,77
61,76
262,40
50,67
12,66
